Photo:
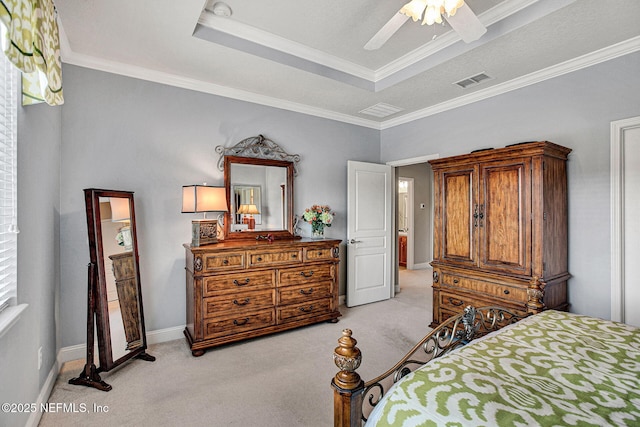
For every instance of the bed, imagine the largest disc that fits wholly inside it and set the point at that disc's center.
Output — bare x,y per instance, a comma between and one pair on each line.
492,367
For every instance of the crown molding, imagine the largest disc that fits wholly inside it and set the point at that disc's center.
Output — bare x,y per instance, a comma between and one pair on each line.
602,55
128,70
272,41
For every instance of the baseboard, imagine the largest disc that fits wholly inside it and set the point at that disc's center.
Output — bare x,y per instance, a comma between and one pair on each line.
43,397
75,352
342,299
421,266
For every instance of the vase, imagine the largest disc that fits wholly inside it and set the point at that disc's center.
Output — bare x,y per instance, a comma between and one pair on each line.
317,231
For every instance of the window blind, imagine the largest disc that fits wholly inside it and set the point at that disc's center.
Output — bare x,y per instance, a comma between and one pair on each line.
8,188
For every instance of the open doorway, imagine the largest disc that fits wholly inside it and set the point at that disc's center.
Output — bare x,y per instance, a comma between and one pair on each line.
414,213
405,222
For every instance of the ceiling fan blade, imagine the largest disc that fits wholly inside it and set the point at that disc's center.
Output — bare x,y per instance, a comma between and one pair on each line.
385,33
466,24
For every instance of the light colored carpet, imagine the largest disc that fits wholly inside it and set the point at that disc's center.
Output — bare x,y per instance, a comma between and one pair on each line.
278,380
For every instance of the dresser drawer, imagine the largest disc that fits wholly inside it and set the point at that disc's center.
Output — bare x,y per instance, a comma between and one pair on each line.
302,293
271,258
221,261
240,323
497,290
299,275
318,254
250,280
294,312
238,303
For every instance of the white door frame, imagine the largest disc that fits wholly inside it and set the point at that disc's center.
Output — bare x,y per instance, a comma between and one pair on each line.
618,129
395,164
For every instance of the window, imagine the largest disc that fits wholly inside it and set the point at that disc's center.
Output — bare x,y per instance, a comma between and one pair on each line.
8,188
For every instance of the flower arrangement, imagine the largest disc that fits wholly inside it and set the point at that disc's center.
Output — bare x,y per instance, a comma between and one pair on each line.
319,216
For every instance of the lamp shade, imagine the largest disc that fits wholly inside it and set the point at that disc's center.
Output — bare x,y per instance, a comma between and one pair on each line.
248,209
119,209
203,198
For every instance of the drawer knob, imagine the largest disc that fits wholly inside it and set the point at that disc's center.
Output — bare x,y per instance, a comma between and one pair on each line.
241,322
259,258
245,302
246,282
455,302
455,281
303,274
225,262
309,292
306,309
319,253
294,256
506,291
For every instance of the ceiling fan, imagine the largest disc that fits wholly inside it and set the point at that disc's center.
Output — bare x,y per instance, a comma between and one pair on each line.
458,14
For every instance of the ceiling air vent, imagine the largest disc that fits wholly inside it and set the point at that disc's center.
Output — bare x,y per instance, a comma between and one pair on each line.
381,110
474,80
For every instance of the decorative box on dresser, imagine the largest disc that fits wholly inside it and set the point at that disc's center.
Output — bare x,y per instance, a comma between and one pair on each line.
500,229
243,289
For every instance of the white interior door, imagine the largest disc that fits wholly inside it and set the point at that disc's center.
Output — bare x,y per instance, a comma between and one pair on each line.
625,168
369,232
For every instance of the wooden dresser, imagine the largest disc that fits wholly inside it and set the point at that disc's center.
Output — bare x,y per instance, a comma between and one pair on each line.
243,289
500,229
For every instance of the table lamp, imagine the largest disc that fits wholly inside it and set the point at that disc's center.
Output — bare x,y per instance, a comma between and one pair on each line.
203,199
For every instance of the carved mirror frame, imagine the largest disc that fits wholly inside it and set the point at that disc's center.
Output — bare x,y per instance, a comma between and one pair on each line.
259,151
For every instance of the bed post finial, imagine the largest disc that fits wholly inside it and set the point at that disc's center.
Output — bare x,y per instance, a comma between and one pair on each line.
347,384
535,294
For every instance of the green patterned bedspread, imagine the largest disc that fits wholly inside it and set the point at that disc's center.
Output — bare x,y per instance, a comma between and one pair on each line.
552,369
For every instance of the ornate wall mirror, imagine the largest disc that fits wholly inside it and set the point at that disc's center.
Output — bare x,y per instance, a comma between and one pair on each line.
258,177
114,310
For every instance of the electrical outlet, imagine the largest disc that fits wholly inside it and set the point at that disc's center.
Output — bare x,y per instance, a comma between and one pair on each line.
39,358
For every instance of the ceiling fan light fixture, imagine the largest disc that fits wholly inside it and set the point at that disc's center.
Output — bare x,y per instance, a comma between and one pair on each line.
431,9
414,9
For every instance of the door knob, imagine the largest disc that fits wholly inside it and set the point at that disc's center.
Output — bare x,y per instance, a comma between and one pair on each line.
353,241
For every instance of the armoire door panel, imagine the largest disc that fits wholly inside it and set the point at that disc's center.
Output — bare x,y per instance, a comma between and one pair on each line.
504,228
458,204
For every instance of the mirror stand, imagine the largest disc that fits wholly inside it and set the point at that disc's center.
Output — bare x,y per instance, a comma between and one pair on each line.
114,295
89,376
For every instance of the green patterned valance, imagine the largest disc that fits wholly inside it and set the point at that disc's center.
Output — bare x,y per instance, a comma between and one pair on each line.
33,46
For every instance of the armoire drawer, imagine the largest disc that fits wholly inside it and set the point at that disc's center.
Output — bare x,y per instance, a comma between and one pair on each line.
289,313
238,303
240,323
241,281
298,275
305,292
457,302
271,258
511,293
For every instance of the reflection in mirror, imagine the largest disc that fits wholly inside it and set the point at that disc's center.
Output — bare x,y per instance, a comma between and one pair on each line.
122,294
255,209
114,297
261,197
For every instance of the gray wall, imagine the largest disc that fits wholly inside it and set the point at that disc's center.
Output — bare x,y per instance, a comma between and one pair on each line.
127,134
573,110
422,175
38,261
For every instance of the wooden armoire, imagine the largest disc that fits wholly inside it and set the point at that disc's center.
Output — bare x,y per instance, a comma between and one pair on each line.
500,229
